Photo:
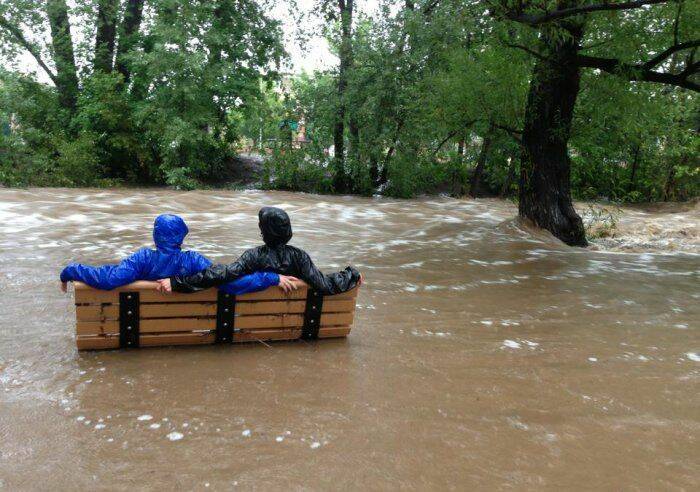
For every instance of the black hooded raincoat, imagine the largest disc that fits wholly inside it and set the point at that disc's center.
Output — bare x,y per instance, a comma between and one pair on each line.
275,256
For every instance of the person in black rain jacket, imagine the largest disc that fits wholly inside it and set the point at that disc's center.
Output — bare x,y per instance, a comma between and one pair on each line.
274,256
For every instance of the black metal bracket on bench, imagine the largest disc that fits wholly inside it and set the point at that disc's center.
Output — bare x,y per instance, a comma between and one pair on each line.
225,312
129,319
312,315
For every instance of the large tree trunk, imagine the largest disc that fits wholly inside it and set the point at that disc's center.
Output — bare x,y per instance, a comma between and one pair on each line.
107,11
480,163
545,192
340,179
128,34
62,44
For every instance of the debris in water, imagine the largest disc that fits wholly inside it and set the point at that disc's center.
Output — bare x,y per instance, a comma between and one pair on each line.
175,436
694,356
511,344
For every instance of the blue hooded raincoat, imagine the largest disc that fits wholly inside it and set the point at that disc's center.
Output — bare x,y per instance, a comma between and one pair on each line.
166,261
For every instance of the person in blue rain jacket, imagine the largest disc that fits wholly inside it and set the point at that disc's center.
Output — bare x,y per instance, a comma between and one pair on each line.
166,260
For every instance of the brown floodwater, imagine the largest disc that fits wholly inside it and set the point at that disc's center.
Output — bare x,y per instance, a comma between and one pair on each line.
484,354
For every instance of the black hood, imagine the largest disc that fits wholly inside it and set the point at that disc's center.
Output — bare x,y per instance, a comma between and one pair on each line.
275,226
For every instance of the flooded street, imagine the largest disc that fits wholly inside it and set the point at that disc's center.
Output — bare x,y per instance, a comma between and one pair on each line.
483,355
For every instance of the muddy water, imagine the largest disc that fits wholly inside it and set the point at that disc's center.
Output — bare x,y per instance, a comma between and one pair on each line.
483,355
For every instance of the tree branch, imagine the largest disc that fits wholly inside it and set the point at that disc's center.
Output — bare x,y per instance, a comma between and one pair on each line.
669,51
430,6
641,72
452,134
534,53
513,132
26,44
537,19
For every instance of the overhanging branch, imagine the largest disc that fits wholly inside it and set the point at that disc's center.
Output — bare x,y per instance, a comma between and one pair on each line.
661,57
537,19
19,37
640,72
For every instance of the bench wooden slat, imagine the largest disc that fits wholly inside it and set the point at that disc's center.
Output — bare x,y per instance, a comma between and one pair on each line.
112,342
87,295
203,324
98,312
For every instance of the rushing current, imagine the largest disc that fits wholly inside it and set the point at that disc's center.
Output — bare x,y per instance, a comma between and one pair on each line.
484,354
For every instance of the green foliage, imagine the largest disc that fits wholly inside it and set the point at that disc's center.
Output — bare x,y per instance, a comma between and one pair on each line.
297,170
195,70
424,86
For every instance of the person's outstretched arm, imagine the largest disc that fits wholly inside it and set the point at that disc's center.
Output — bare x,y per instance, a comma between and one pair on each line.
243,285
106,277
251,283
335,283
213,276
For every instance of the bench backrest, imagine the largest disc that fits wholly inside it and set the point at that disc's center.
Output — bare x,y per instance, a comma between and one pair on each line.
137,315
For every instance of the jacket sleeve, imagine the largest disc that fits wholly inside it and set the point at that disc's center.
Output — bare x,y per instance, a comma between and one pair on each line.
106,277
335,283
215,275
251,283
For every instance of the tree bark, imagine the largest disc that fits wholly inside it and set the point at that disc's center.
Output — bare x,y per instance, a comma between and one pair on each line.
480,163
545,191
635,165
340,179
107,11
510,177
128,34
668,188
62,44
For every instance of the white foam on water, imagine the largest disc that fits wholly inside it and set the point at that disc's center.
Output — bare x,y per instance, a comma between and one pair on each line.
80,418
100,426
511,344
279,438
593,359
175,436
486,322
694,356
246,433
531,344
681,326
154,426
413,265
145,417
315,445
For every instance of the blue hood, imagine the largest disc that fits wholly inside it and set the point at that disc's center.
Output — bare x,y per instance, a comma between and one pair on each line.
168,233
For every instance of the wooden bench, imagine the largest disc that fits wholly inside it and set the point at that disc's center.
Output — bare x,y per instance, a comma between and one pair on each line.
137,315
